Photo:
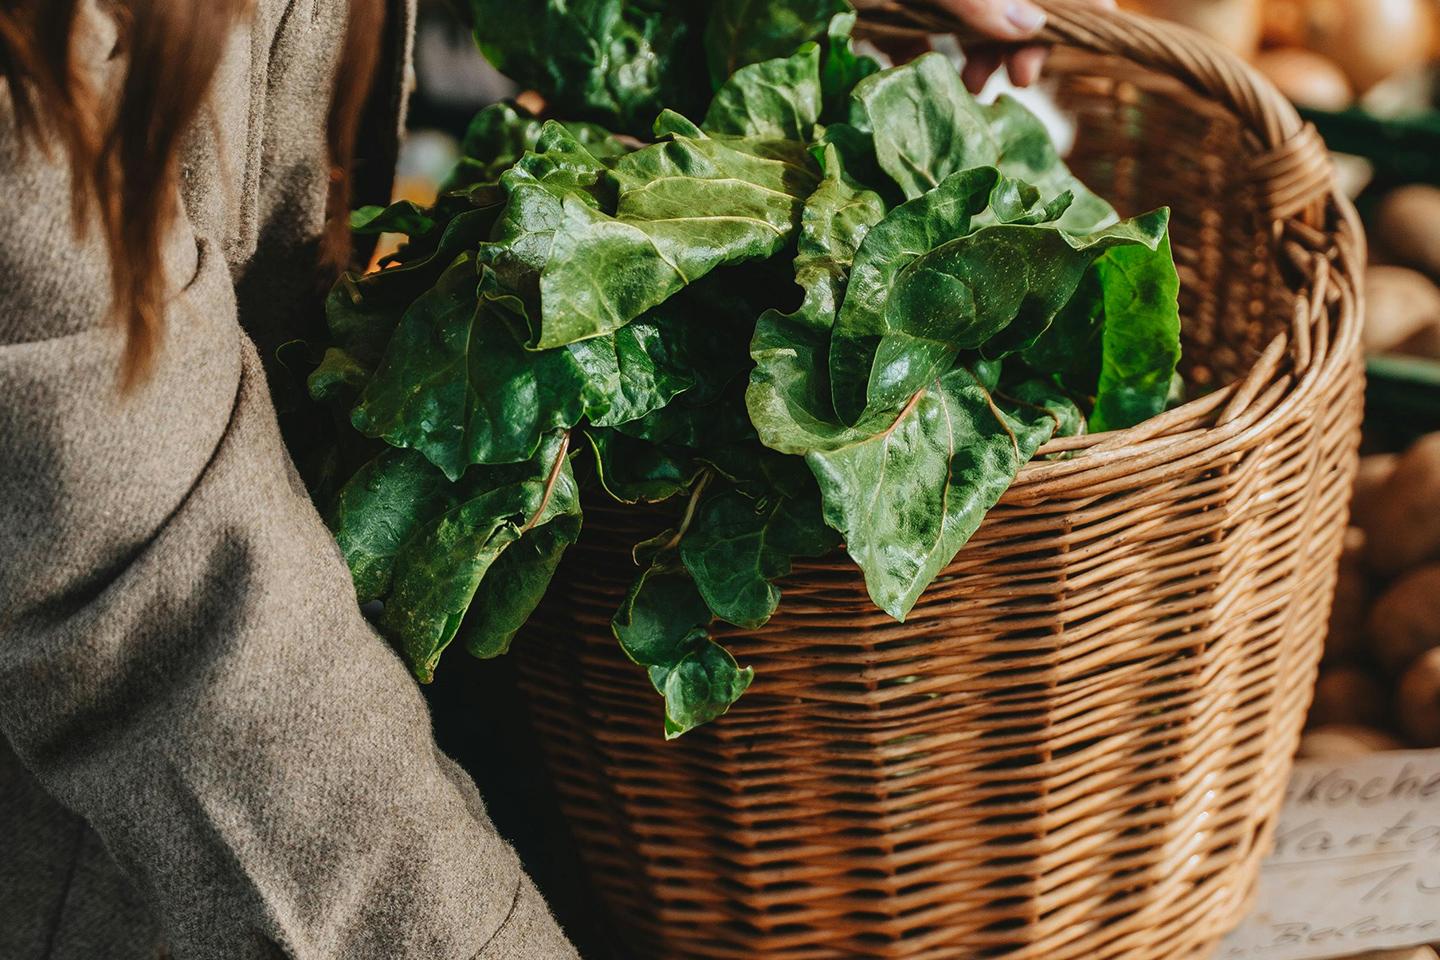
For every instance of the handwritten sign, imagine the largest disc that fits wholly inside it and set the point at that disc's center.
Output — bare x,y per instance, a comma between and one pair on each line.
1356,864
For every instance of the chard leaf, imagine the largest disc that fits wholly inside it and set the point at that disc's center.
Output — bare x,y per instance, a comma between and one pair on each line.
903,237
406,217
338,380
458,387
997,289
1027,153
618,62
700,688
499,135
363,312
636,471
907,497
739,546
841,69
661,625
922,124
378,511
778,99
685,207
637,369
742,32
789,397
514,586
1141,338
425,545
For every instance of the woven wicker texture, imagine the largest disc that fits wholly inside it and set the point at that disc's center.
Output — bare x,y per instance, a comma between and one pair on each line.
1076,745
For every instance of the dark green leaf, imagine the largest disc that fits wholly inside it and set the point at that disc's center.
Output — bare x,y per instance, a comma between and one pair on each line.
738,547
405,216
742,32
618,62
661,625
841,69
378,512
1141,337
338,380
779,99
515,585
893,245
998,288
907,497
662,618
637,471
457,386
700,688
685,207
450,548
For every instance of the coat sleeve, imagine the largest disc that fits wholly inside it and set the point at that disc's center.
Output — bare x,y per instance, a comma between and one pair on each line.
182,661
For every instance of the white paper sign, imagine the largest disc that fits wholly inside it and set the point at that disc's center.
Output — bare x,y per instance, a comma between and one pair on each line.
1356,864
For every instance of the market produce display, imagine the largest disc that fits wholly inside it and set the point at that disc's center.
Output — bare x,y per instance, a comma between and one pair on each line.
1379,688
802,301
1321,53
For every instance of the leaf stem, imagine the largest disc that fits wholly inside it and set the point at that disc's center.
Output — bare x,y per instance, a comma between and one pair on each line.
1059,423
690,508
999,416
550,482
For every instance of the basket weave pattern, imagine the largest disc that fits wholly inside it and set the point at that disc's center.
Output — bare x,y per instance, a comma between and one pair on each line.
1076,745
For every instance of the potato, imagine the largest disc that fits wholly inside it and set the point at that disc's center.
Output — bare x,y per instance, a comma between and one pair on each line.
1420,700
1407,225
1403,526
1343,742
1404,624
1350,696
1424,342
1369,39
1399,303
1232,23
1306,78
1375,471
1282,23
1345,637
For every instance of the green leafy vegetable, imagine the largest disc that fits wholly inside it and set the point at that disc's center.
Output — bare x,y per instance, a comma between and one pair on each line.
846,308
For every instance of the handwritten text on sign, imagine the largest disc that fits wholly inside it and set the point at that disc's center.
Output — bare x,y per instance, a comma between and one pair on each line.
1356,864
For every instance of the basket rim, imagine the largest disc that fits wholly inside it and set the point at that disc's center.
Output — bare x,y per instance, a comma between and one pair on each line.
1321,234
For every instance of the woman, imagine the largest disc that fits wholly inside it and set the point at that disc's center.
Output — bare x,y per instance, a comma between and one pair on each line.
211,749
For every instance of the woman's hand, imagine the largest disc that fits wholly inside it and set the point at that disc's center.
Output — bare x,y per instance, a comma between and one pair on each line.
1008,23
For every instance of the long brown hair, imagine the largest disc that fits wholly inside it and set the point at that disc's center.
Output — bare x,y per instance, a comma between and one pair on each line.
124,153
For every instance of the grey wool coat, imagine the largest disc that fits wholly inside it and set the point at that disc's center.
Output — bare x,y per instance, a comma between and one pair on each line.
206,751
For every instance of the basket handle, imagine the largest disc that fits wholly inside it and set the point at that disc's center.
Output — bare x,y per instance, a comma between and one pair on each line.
1292,165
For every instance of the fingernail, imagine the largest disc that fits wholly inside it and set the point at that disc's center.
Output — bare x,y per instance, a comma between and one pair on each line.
1024,17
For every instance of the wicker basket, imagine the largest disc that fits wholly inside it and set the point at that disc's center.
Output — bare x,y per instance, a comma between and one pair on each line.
1076,745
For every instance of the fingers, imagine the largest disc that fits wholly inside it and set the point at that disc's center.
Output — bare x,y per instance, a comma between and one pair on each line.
1026,63
1001,19
980,63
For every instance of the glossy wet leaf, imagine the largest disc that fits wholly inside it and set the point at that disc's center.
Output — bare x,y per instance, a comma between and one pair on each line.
514,586
738,547
1141,337
618,62
685,207
743,32
440,551
905,499
996,289
458,387
637,471
779,99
